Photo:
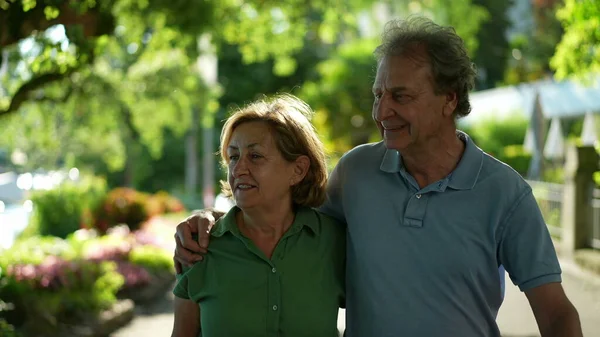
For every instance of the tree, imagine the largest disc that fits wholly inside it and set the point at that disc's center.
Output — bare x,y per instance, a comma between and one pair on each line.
128,80
492,54
578,53
85,24
261,29
342,98
533,49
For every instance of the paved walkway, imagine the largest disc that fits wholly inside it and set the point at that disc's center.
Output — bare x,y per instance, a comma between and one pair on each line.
515,318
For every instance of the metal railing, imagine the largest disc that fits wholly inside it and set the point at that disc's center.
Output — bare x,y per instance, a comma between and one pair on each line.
549,198
594,240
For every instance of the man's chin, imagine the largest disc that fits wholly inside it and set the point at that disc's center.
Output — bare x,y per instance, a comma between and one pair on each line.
394,144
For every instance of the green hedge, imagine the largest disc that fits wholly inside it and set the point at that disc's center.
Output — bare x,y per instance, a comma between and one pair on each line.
66,208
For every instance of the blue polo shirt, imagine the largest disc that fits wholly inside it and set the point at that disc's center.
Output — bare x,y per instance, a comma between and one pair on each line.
425,262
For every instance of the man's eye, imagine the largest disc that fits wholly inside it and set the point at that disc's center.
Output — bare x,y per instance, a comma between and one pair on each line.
255,156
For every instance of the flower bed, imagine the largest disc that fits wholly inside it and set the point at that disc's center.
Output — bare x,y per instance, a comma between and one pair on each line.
51,285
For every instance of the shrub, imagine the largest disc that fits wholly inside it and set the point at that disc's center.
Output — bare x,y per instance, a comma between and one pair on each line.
68,207
517,157
58,290
554,175
162,202
122,206
493,134
135,276
7,330
152,258
35,250
51,281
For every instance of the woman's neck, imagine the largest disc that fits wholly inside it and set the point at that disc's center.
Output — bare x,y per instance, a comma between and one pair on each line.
265,227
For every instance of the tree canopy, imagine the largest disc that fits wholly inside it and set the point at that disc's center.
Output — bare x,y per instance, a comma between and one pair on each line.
578,53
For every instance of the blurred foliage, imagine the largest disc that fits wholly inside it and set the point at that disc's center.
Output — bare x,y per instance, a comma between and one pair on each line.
162,202
492,134
122,206
491,59
68,207
554,173
152,258
342,97
516,157
260,29
532,50
139,81
7,330
35,250
578,53
46,281
503,139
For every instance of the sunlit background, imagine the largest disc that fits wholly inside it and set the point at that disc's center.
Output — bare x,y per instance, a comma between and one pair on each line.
110,114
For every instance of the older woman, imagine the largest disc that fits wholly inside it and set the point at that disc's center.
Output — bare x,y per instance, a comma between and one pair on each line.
275,266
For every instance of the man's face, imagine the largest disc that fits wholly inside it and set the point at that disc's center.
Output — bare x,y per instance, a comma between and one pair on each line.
406,109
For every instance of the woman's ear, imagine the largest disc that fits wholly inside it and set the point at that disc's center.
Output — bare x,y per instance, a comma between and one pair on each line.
301,166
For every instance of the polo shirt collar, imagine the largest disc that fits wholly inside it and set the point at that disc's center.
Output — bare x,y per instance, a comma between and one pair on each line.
464,175
305,217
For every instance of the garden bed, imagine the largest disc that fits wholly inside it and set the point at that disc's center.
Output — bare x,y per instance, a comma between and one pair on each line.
101,325
85,285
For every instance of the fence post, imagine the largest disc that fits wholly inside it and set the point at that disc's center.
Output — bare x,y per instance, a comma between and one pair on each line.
580,164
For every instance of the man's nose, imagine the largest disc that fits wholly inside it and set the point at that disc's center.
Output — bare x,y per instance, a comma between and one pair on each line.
383,109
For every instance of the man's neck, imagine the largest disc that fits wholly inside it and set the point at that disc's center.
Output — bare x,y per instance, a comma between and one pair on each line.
435,159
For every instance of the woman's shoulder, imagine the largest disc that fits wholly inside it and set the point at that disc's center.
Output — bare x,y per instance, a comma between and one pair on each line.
327,224
328,219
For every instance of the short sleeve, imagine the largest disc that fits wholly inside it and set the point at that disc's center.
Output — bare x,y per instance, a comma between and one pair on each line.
526,249
181,287
333,205
191,282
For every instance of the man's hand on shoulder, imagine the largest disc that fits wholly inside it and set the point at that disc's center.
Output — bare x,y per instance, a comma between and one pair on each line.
189,251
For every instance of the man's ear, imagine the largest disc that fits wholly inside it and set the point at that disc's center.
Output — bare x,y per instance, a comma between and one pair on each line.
450,104
301,166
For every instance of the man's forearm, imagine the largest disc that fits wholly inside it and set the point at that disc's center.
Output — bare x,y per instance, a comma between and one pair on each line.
566,324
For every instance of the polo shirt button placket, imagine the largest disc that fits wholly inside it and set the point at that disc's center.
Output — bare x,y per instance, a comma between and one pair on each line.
418,196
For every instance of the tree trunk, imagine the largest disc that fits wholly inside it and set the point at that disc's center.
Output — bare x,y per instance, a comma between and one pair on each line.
191,156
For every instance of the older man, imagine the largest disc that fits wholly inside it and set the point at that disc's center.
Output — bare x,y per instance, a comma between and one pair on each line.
431,218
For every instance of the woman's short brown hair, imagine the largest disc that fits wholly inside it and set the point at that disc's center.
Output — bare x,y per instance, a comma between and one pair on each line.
295,136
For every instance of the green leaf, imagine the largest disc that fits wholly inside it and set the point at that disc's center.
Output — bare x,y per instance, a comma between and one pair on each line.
51,12
29,4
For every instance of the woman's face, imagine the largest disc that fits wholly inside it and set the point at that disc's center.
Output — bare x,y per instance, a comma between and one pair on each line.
258,174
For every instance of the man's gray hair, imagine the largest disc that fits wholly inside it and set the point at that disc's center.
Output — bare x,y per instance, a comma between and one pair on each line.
451,66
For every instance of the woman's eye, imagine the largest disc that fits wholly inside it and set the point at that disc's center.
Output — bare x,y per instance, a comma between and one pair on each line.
233,157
